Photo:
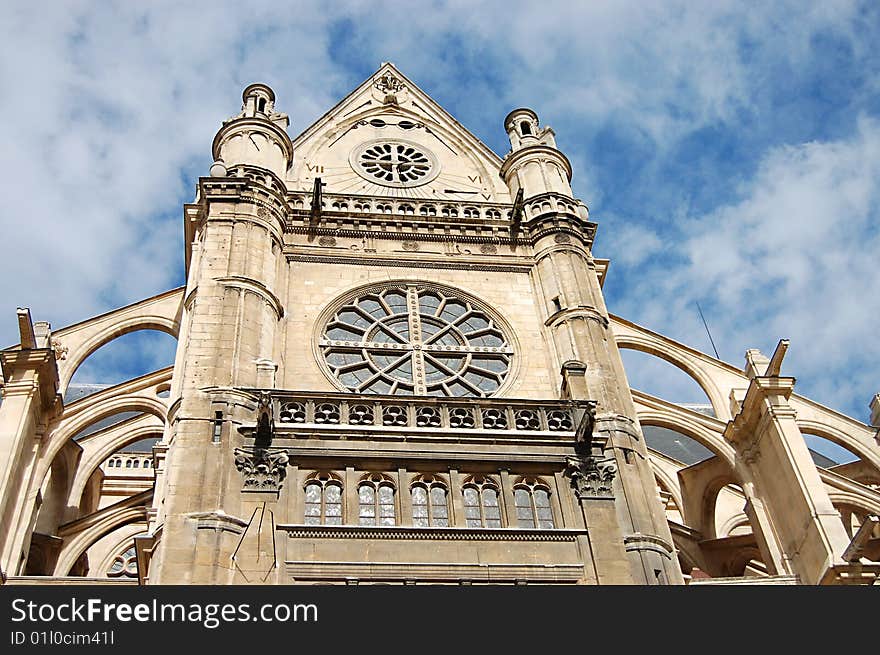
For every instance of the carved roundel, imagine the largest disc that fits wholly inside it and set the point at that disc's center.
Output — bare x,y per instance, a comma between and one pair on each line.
395,163
416,339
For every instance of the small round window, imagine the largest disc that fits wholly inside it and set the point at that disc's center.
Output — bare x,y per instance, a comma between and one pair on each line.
395,163
414,340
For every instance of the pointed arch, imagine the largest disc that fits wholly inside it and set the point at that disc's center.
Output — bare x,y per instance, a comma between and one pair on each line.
79,535
124,357
713,392
161,312
841,438
98,446
705,430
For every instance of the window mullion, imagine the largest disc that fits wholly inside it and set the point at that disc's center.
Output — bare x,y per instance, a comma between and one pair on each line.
415,335
377,503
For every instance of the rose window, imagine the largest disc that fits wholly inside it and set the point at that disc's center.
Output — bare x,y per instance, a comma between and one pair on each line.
412,340
395,163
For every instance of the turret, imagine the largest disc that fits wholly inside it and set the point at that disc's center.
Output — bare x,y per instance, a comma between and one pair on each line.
229,337
534,164
584,348
255,137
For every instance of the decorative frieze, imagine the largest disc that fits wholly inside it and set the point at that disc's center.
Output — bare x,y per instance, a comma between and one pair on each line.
405,532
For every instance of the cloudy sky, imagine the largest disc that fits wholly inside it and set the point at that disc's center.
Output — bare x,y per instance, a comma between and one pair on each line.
730,151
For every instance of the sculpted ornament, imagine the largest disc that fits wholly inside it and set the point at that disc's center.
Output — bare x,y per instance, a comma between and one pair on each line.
389,84
60,350
591,478
263,469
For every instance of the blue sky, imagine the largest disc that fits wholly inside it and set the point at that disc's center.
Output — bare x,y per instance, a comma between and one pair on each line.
730,151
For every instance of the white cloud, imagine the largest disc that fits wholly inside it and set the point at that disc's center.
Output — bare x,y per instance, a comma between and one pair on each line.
795,257
109,110
631,244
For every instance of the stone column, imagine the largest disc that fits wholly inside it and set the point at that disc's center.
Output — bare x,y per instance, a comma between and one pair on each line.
772,452
30,401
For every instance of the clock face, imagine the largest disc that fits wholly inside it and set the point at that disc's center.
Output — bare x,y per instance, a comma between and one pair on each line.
395,163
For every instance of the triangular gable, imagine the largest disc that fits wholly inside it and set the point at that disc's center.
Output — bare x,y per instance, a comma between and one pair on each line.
389,138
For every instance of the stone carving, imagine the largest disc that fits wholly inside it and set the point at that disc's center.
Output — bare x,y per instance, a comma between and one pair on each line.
591,478
263,469
488,249
562,238
327,241
411,246
389,84
60,350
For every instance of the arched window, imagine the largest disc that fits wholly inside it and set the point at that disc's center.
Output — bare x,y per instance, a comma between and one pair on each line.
128,463
147,464
429,504
323,504
376,500
481,508
532,499
525,128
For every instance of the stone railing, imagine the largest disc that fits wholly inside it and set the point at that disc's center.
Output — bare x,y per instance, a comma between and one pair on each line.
431,209
405,208
331,410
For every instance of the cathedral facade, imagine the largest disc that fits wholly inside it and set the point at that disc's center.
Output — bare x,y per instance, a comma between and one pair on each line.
395,366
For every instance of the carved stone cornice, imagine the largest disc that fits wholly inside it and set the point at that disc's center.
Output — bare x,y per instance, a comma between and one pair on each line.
31,370
758,406
395,532
640,541
411,233
537,151
557,220
581,311
256,287
239,189
398,262
218,520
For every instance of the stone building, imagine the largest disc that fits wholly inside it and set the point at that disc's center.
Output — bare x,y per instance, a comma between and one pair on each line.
395,365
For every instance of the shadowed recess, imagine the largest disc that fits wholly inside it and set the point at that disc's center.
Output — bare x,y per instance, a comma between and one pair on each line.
676,445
